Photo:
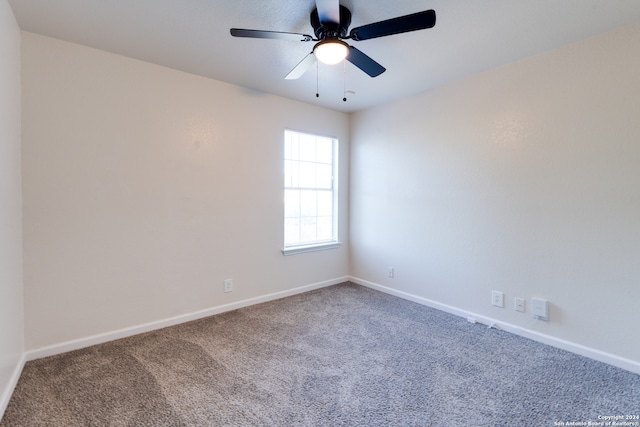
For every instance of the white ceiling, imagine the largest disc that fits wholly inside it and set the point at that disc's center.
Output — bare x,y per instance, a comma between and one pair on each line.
470,36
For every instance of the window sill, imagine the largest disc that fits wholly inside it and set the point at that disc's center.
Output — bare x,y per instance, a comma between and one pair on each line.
311,248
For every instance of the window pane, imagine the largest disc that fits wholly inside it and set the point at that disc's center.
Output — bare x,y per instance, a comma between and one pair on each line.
292,203
309,196
308,203
308,148
308,229
307,175
287,174
324,176
325,203
291,145
324,150
291,174
291,231
325,228
287,145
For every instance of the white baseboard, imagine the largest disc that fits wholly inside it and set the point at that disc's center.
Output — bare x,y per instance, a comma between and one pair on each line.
601,356
13,381
147,327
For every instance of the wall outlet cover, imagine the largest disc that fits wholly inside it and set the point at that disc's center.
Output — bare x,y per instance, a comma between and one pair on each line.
540,308
497,298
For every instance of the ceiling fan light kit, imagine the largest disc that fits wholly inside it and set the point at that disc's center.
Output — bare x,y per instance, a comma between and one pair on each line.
331,52
330,22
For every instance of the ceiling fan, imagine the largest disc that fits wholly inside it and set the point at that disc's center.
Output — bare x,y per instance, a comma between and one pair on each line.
330,22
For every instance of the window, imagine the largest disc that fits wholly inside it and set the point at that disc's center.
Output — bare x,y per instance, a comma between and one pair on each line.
310,220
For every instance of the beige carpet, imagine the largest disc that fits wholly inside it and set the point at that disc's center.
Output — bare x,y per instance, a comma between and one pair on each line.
339,356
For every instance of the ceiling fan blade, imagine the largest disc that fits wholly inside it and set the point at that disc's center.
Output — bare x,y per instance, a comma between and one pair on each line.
364,62
302,67
277,35
401,24
328,11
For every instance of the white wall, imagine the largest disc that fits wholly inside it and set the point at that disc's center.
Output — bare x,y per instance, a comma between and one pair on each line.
524,179
11,312
145,187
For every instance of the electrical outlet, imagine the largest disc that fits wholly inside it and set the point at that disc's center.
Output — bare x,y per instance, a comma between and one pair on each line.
228,285
391,272
540,308
519,305
497,298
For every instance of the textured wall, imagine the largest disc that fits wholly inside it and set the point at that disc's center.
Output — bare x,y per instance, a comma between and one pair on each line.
11,313
524,179
145,188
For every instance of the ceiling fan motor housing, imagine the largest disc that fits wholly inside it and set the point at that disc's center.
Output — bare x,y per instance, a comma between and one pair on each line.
330,29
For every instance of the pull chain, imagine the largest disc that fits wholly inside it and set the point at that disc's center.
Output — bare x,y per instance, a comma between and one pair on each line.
344,80
317,79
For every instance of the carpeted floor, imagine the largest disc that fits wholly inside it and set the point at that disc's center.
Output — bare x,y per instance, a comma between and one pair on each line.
339,356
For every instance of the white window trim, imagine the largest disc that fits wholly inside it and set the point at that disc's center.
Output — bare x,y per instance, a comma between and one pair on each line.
293,250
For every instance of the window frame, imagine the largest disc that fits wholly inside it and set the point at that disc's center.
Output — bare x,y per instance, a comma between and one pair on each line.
318,245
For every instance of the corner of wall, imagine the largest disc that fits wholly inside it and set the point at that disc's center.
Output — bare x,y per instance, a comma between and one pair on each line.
12,354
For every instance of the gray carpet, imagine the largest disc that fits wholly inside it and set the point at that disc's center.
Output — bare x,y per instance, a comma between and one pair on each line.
339,356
